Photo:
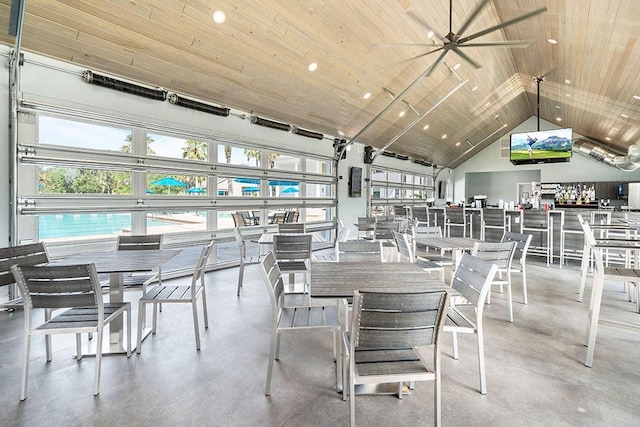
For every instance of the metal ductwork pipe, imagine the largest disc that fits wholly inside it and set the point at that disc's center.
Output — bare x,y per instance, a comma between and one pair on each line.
630,162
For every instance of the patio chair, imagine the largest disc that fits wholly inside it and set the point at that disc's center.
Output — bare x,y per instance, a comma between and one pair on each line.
406,254
501,255
292,216
296,319
244,258
279,218
520,256
421,230
292,227
77,288
293,254
387,341
359,250
140,243
170,294
239,220
30,254
472,280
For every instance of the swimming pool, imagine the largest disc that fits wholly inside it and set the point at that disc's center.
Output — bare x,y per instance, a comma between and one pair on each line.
90,224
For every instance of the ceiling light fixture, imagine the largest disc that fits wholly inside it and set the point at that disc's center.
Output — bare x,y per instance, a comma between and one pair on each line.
473,89
444,136
558,119
608,138
552,41
430,34
567,81
401,114
458,144
636,96
219,17
313,66
367,95
425,127
455,67
624,115
558,107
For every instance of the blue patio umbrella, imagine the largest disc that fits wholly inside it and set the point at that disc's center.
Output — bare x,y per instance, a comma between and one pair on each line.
290,190
169,181
250,189
196,190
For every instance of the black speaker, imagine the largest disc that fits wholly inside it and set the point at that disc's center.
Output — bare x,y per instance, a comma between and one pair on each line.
442,189
355,182
368,154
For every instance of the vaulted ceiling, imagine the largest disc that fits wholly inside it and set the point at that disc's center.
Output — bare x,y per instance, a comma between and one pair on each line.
258,59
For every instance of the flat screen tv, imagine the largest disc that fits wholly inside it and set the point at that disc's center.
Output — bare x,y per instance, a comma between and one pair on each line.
545,146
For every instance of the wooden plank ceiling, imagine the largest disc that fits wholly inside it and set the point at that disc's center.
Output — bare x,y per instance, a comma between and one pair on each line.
257,61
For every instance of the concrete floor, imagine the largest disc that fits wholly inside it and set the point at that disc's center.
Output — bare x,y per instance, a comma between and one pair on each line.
535,370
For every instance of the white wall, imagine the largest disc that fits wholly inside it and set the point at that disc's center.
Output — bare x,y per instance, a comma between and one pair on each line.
580,168
5,160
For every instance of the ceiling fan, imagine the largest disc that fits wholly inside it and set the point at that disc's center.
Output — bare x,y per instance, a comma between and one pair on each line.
455,41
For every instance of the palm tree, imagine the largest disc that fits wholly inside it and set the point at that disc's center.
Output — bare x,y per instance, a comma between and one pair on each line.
126,148
253,154
194,150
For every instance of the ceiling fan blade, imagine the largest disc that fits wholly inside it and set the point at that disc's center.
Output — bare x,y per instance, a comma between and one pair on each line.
471,17
421,55
405,45
502,25
514,43
418,20
466,58
433,66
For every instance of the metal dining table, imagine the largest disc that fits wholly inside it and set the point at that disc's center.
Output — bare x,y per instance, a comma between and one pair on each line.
116,264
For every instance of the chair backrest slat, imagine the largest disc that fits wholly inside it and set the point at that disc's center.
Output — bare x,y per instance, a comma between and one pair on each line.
359,250
472,278
139,243
31,254
522,244
200,268
397,320
499,253
272,277
403,245
291,247
292,227
58,286
424,231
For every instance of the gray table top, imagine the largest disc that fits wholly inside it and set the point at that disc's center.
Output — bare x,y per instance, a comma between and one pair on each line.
340,279
447,243
122,261
267,238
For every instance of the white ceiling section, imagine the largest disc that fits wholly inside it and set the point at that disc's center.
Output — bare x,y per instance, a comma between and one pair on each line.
258,61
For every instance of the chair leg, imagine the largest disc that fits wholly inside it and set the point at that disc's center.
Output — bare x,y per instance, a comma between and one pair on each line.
454,337
584,265
196,327
437,404
154,327
481,367
352,400
78,346
128,310
278,347
509,297
272,356
240,276
141,321
25,366
524,285
205,313
96,376
594,314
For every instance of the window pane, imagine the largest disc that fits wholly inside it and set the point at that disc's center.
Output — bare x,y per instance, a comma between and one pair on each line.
61,180
318,166
318,190
176,148
176,221
379,192
279,188
52,130
379,175
238,156
283,161
67,225
238,187
317,214
184,185
395,176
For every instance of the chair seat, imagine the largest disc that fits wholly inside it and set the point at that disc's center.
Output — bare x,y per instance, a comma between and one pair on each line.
427,264
169,294
389,362
458,322
292,266
83,318
622,274
315,316
251,260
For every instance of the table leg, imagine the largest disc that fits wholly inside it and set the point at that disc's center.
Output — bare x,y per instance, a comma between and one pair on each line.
116,295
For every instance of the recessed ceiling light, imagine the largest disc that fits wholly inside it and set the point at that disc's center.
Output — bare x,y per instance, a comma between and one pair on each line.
401,114
614,129
624,115
473,89
313,66
496,116
608,138
425,127
444,136
367,95
219,17
552,41
558,119
455,67
487,104
558,107
341,133
349,147
636,96
566,94
430,34
567,81
457,143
